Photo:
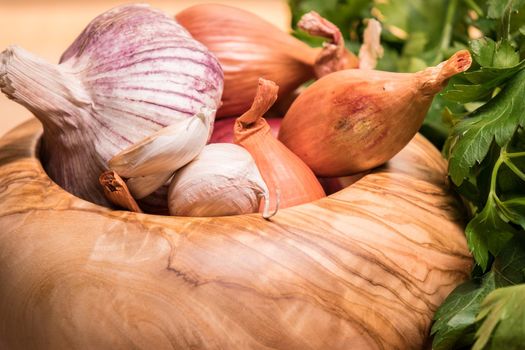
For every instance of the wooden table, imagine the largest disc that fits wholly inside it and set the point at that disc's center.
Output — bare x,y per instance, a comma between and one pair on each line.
47,27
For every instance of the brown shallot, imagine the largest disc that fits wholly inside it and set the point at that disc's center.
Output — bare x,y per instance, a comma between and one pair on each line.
248,47
353,120
289,179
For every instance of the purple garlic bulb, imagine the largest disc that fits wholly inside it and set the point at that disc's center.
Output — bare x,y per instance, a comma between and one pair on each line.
132,71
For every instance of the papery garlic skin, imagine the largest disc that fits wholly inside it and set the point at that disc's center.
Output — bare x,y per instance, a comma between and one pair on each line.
142,186
222,180
131,72
166,150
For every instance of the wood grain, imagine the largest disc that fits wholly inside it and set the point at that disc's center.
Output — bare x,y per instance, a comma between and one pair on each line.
365,268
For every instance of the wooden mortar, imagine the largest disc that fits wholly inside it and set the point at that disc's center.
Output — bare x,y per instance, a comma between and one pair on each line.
365,268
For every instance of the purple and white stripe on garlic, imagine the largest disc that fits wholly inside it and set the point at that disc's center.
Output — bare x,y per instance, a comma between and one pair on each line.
131,72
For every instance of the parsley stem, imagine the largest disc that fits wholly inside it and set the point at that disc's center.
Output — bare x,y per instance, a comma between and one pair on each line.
506,20
446,34
514,169
516,154
495,171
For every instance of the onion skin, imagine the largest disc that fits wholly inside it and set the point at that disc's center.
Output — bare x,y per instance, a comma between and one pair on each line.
353,120
248,48
288,178
223,129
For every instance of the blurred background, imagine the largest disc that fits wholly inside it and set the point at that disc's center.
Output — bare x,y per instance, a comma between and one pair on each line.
47,27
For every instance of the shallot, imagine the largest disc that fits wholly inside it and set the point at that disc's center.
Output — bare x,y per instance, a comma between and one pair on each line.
353,120
289,179
248,47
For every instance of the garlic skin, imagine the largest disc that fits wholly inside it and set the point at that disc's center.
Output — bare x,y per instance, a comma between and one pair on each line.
142,186
222,180
166,150
353,120
151,162
130,73
371,50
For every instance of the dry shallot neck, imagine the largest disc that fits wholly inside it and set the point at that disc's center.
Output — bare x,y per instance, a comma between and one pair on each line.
265,97
333,56
435,78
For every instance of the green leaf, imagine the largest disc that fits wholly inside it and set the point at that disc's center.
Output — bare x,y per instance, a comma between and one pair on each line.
497,8
490,54
496,120
435,128
455,319
509,265
498,62
419,25
505,56
514,210
483,51
502,314
487,232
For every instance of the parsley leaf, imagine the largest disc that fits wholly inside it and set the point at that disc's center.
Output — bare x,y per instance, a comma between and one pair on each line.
498,8
509,266
502,313
487,232
497,120
455,320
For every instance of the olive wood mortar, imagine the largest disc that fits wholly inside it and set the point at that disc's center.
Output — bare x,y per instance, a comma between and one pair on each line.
365,268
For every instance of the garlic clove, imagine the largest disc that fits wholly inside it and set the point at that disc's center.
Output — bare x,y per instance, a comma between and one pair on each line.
166,150
222,180
143,186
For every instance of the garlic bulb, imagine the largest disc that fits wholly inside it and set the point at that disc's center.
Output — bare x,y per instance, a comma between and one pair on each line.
131,72
222,180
